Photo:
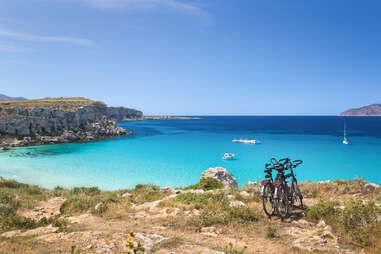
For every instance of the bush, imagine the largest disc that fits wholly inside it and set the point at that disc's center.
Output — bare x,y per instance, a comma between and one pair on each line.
360,220
88,191
230,249
206,184
147,187
271,232
58,191
202,200
231,215
8,204
322,210
357,222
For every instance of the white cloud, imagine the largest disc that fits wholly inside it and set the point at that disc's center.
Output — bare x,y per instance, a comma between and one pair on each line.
174,5
6,47
5,33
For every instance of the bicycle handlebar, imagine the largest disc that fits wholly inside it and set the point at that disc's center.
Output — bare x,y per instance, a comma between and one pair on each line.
273,161
297,163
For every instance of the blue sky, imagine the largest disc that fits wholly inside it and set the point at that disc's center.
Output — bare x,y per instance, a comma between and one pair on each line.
196,56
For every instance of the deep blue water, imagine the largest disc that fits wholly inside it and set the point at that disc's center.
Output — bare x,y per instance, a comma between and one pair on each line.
175,152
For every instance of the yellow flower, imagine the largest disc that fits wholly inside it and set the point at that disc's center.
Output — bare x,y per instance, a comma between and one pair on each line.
128,250
130,239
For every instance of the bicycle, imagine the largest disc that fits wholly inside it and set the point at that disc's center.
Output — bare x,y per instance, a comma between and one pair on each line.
285,196
281,201
267,191
295,193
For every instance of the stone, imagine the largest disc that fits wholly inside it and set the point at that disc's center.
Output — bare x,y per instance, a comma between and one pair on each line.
253,185
244,194
38,231
34,125
98,206
221,175
371,186
126,195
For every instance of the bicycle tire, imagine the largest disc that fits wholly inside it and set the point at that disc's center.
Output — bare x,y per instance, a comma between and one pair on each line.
268,199
282,203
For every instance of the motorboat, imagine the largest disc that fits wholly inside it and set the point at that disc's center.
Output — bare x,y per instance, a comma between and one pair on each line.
228,156
246,141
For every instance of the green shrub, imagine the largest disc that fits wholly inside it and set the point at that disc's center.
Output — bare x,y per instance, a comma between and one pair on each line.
58,191
271,232
206,184
360,220
202,200
322,210
88,191
8,204
227,216
230,249
147,187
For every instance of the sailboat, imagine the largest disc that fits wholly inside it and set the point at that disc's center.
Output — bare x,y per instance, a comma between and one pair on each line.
345,140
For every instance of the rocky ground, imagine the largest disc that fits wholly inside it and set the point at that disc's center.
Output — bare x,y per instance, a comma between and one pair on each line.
209,217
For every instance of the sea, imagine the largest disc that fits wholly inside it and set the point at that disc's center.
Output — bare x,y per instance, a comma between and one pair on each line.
174,153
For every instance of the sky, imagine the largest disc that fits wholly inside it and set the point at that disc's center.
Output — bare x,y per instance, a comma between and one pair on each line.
195,57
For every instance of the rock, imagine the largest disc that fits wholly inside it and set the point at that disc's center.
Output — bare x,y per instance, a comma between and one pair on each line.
371,186
254,185
125,195
321,224
98,206
222,175
244,194
64,123
38,231
236,203
210,230
123,114
2,179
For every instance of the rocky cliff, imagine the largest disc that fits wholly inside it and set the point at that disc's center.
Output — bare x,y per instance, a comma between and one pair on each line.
47,121
371,110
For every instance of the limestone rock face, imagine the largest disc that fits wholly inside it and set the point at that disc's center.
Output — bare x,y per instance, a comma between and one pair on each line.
123,114
222,175
38,125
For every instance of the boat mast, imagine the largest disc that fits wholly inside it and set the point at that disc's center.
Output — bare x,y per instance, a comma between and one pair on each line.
345,130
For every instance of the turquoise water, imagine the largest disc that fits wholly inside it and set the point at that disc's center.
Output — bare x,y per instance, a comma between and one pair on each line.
175,152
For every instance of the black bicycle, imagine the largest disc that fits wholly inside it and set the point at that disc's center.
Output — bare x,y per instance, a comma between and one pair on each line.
267,191
286,195
279,197
295,195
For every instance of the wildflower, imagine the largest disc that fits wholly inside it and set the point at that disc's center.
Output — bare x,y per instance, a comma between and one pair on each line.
130,239
128,250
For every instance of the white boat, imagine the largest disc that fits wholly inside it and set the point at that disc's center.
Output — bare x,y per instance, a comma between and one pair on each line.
246,141
228,156
345,140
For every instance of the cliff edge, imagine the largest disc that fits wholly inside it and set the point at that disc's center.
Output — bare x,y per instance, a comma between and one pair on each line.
60,120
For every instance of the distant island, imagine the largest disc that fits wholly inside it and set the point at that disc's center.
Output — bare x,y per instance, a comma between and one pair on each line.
60,120
371,110
4,97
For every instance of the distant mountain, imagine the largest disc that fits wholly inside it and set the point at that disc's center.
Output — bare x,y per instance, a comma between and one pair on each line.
371,110
7,98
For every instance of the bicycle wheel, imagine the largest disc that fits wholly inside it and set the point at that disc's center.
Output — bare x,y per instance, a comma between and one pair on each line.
297,196
282,203
268,199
